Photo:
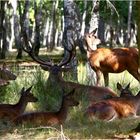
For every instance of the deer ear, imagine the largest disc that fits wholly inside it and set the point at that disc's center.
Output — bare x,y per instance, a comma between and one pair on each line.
94,31
128,86
28,90
119,86
138,93
22,90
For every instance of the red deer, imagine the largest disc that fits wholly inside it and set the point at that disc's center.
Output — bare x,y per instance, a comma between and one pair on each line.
6,75
94,93
105,60
9,111
117,107
124,91
49,118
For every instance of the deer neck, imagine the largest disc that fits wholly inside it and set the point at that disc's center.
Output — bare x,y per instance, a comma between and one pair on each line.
90,50
21,105
62,113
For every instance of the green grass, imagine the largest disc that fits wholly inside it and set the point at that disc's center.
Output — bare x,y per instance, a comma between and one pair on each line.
77,126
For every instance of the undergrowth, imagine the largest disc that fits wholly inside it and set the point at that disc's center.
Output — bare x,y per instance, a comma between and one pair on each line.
77,126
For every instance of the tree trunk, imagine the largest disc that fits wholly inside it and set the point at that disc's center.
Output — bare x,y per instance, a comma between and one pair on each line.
138,31
128,35
91,76
24,23
3,41
111,29
72,28
37,16
16,29
52,31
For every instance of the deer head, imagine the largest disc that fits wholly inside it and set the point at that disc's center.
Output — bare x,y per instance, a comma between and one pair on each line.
91,40
27,95
54,69
124,91
6,74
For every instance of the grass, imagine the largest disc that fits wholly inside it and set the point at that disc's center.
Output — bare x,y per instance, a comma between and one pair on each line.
77,126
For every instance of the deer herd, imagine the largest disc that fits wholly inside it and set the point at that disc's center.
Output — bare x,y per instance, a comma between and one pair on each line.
104,103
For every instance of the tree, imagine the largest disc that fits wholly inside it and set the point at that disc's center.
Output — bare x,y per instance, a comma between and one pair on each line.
128,34
37,16
3,41
72,28
93,25
138,31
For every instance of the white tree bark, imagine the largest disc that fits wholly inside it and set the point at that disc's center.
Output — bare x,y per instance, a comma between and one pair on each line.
91,75
128,36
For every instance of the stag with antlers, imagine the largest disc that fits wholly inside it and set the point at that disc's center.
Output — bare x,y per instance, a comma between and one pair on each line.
94,93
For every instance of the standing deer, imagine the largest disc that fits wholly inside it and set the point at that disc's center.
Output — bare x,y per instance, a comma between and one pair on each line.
9,111
117,107
104,60
6,75
94,93
49,118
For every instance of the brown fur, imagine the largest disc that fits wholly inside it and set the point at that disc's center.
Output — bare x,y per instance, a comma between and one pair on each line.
94,93
117,107
9,111
104,60
6,75
49,118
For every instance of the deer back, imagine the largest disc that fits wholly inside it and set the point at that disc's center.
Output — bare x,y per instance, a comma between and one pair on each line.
49,118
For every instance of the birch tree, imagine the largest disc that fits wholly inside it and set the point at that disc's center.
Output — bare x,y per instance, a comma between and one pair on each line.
138,31
3,41
128,34
94,22
16,28
37,15
72,28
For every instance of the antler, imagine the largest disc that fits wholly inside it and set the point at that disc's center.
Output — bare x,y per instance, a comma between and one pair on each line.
71,54
30,50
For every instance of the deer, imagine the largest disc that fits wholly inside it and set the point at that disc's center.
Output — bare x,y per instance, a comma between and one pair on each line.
116,107
11,111
105,60
124,91
49,118
55,70
6,75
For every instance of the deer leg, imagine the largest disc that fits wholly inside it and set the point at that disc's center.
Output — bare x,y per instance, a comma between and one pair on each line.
107,113
106,79
98,76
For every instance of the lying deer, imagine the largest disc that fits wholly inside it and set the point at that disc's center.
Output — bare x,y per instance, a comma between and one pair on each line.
94,93
124,91
117,107
104,60
49,118
6,75
9,111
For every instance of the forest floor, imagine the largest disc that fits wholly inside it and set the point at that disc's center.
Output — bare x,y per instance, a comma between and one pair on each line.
77,126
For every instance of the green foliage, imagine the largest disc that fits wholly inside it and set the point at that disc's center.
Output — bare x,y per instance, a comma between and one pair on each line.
48,96
77,125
